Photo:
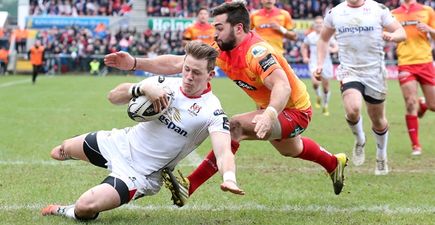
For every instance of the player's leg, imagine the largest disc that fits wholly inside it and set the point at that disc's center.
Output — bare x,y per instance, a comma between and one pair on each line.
317,91
410,95
376,112
352,102
326,96
241,128
34,73
110,194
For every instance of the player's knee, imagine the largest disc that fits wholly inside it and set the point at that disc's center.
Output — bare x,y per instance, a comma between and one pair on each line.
235,129
411,104
85,209
57,152
430,105
353,114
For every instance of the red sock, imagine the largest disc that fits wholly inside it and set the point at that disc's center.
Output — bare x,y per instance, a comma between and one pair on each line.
206,169
412,124
422,108
313,152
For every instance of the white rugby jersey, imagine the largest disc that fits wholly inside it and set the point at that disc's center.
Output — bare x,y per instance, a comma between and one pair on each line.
359,32
183,127
311,40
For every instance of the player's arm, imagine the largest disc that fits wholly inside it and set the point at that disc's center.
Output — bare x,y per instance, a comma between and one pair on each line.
304,52
280,88
120,94
322,48
163,64
394,32
221,143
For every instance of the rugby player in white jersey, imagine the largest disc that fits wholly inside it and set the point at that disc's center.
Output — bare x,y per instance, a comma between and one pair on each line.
309,55
361,27
136,155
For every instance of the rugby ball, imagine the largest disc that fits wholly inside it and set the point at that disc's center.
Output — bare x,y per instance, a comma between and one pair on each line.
141,109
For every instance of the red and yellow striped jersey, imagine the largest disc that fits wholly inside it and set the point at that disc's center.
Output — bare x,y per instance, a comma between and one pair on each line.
416,48
200,31
251,62
261,20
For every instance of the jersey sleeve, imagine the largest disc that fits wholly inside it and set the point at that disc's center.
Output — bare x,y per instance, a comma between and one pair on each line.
328,21
306,41
431,17
261,60
187,34
288,22
219,121
386,17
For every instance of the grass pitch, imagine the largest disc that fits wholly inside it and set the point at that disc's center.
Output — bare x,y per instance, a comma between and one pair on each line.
279,190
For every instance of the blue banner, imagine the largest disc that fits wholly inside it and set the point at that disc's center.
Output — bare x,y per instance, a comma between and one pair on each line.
39,22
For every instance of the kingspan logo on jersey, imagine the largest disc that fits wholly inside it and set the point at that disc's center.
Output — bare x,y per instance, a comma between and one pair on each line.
355,29
172,126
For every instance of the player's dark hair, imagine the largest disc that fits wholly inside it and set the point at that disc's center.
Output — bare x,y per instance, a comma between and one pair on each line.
236,12
200,50
200,9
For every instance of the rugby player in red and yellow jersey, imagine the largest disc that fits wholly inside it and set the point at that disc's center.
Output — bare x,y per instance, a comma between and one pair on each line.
284,108
273,24
201,30
416,64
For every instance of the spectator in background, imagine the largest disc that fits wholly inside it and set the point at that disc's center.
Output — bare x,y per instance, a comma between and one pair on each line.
201,30
95,67
4,59
21,39
36,56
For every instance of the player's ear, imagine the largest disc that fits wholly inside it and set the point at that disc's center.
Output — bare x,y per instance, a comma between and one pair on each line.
211,74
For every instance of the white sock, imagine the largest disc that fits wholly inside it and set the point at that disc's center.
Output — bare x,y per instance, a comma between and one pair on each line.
326,97
67,211
318,93
358,131
381,144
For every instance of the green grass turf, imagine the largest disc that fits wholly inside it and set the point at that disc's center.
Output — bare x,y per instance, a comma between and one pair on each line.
279,190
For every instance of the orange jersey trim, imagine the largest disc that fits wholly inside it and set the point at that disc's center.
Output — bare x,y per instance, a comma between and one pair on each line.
199,31
251,62
416,49
261,20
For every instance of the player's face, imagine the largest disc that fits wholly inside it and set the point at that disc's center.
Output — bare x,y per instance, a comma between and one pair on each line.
268,4
224,34
318,24
203,16
355,2
195,76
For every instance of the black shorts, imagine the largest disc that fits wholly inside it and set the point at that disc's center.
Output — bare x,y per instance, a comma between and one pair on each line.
91,150
361,88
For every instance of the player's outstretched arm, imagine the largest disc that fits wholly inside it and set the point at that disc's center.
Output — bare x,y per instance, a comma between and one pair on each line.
120,94
221,143
322,49
163,65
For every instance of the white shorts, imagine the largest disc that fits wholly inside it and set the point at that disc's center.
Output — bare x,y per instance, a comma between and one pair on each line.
115,148
373,78
327,72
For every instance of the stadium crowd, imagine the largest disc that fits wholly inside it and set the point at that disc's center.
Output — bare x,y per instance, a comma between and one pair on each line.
73,48
80,7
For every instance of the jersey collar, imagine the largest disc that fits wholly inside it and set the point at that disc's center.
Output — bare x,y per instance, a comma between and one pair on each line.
208,89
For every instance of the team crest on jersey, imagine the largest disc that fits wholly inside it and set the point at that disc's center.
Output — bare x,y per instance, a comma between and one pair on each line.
194,109
258,51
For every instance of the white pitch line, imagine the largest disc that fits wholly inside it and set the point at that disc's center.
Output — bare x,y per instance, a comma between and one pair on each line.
194,163
12,83
385,209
